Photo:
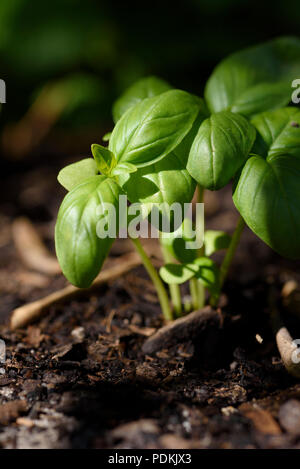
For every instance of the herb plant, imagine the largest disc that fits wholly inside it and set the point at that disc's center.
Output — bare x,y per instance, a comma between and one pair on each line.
165,143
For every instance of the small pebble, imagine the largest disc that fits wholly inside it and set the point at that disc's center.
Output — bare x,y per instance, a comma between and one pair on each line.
289,416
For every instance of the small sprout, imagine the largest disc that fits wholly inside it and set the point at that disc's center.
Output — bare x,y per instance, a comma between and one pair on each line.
104,158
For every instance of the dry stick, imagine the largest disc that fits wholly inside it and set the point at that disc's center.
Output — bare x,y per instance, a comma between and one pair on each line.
25,314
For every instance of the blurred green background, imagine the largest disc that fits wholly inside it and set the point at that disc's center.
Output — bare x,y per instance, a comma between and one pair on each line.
65,61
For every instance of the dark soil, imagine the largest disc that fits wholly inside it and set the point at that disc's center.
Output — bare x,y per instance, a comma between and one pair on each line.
78,378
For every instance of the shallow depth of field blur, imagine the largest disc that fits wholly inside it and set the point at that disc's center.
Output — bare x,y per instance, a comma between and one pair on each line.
64,63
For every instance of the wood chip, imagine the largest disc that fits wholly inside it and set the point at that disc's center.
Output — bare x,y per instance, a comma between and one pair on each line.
185,328
261,419
25,422
145,331
11,410
34,336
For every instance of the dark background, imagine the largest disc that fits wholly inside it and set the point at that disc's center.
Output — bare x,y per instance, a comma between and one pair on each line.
88,52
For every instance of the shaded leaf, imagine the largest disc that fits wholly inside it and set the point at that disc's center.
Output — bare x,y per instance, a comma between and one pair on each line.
215,241
220,148
144,88
177,242
267,193
255,79
203,268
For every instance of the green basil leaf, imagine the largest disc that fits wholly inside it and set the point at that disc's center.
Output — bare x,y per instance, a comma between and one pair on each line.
267,193
104,158
153,128
203,268
123,168
208,273
256,79
177,273
176,242
80,251
144,88
277,132
165,183
73,174
220,148
215,241
106,137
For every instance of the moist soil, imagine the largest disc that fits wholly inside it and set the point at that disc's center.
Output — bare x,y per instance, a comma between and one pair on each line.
78,377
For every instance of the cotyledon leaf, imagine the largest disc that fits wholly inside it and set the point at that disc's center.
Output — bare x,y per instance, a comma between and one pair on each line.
203,268
255,79
220,148
151,129
177,243
215,241
267,193
79,248
145,88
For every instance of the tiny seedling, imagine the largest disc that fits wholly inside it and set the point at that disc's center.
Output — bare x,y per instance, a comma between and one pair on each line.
165,143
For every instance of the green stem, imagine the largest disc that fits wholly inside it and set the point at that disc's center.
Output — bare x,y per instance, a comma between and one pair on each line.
161,291
225,266
194,293
201,253
173,288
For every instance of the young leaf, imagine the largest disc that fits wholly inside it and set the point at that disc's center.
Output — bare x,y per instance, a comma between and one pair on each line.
215,241
74,174
203,268
153,128
106,137
176,242
124,168
104,158
256,79
208,273
220,148
144,88
178,273
267,193
277,132
165,182
79,249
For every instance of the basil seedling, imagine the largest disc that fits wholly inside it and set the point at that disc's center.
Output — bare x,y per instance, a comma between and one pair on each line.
142,155
165,143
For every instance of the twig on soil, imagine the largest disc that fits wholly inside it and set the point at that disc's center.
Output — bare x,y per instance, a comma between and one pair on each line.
186,327
25,314
31,248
